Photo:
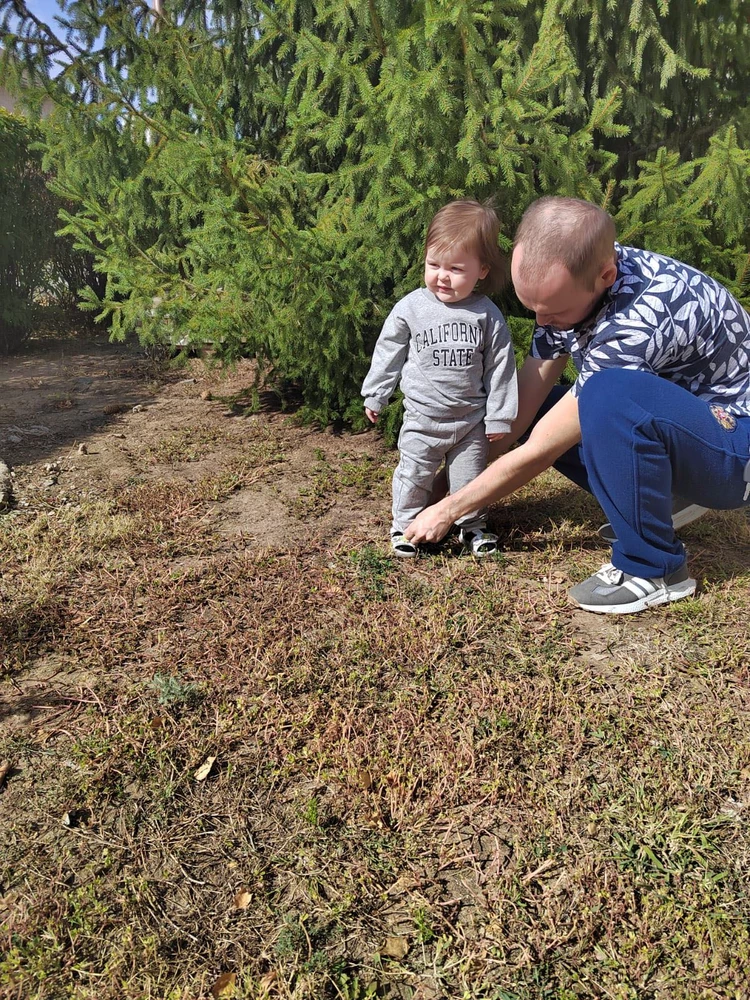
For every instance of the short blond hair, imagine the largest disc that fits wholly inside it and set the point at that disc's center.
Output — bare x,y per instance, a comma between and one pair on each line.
568,231
473,226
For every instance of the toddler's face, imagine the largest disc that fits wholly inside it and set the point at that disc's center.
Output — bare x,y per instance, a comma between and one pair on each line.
452,274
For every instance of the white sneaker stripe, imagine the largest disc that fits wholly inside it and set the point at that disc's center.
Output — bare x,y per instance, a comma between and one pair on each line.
641,588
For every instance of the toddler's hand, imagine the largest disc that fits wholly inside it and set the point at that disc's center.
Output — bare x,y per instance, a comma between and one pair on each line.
372,416
496,437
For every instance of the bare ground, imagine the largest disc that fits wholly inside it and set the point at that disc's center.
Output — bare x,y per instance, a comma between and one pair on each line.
425,780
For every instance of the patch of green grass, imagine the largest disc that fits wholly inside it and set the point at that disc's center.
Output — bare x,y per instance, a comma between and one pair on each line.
374,569
187,444
360,476
363,474
174,691
423,925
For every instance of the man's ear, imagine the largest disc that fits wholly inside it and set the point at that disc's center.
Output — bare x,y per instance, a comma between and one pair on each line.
608,274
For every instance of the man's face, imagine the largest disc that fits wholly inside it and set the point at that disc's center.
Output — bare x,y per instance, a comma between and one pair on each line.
559,300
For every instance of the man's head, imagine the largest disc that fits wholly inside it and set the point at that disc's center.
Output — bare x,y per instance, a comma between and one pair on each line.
464,232
564,260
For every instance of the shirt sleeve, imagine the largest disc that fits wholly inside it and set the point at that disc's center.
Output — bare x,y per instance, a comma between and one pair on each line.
548,344
387,361
500,382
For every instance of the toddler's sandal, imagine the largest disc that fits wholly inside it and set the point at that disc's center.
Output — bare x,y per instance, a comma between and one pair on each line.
402,546
481,543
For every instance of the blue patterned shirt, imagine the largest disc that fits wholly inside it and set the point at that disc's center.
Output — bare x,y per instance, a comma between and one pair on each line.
664,317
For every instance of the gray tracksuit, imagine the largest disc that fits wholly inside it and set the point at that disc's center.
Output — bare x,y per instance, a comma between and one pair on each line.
458,377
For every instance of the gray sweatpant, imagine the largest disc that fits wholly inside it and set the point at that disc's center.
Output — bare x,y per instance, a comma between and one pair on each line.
424,442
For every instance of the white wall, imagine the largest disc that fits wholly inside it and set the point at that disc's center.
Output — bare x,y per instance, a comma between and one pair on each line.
6,101
10,103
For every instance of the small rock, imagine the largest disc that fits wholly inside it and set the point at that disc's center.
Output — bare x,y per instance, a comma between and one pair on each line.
52,467
52,481
82,449
14,439
395,946
111,408
117,435
138,407
207,394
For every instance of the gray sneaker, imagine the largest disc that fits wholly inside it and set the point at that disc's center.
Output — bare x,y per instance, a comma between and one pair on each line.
612,592
683,512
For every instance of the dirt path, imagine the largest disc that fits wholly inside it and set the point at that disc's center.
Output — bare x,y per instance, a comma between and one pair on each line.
77,420
81,421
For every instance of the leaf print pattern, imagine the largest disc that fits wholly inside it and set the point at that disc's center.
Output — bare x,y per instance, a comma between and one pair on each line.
665,317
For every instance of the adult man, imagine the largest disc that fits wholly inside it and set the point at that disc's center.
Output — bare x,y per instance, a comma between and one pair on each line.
661,405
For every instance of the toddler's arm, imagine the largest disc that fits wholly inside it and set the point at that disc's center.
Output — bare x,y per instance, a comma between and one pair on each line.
387,361
500,381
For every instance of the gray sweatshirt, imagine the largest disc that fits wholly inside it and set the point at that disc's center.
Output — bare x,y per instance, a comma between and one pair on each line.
452,358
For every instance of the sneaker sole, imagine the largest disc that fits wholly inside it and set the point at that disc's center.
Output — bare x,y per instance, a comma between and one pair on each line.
607,533
403,555
687,515
485,547
403,548
674,593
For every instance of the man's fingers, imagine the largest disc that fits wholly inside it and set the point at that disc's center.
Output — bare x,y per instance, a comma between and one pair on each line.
414,534
429,526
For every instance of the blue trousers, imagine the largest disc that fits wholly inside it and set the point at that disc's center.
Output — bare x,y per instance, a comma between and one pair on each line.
643,439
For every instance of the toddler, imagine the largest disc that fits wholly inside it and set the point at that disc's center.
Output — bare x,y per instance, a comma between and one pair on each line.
451,348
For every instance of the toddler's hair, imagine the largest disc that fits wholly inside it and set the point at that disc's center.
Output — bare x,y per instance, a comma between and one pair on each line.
473,226
569,231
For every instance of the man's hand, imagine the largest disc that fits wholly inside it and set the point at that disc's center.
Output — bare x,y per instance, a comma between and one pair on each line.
432,524
371,415
558,430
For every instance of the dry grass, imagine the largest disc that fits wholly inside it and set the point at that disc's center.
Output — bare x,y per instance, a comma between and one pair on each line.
431,780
